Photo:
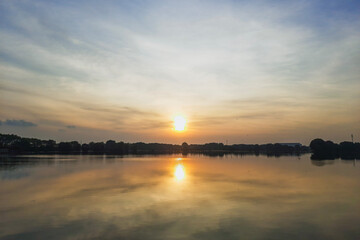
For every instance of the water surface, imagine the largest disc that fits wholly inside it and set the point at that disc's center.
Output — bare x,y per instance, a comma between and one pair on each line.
176,197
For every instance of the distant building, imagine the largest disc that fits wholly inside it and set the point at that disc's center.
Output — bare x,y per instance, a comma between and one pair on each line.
291,144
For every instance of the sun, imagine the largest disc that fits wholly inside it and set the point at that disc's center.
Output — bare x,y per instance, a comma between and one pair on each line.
179,123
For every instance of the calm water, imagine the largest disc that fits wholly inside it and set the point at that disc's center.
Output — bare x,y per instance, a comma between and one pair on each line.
175,197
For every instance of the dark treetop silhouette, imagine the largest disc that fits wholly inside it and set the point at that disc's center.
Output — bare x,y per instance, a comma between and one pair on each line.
14,144
328,150
321,149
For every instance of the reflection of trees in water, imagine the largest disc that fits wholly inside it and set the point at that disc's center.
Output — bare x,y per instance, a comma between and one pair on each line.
321,163
223,154
10,162
13,162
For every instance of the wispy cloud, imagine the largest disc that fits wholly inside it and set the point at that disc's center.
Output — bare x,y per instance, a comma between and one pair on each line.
17,123
131,65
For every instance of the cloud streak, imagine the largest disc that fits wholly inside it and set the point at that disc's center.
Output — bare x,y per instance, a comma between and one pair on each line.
17,123
132,66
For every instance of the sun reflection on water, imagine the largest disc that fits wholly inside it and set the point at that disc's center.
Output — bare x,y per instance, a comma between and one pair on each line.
179,172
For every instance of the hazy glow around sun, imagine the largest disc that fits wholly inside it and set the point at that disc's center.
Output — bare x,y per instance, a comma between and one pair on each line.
179,123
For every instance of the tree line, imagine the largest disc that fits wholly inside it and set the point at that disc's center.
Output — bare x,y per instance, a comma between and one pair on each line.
329,150
10,143
271,149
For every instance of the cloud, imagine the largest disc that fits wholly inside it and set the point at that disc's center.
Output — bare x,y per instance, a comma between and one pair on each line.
228,62
17,123
71,126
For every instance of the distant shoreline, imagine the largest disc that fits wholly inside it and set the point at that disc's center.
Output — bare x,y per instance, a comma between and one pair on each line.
321,150
206,153
13,144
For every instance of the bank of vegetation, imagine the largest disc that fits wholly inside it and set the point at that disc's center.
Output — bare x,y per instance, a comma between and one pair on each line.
13,144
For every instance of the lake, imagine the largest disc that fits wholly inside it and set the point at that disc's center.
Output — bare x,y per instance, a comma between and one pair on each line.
175,197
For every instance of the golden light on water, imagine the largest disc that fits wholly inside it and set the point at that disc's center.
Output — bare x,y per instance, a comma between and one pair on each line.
179,172
179,123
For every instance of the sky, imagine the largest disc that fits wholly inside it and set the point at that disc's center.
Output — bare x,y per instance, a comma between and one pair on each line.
237,71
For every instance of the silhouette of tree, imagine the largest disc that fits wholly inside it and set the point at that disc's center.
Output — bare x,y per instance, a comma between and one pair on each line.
110,146
98,147
65,147
16,144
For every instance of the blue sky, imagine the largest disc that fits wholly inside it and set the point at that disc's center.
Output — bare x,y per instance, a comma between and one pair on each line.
243,71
